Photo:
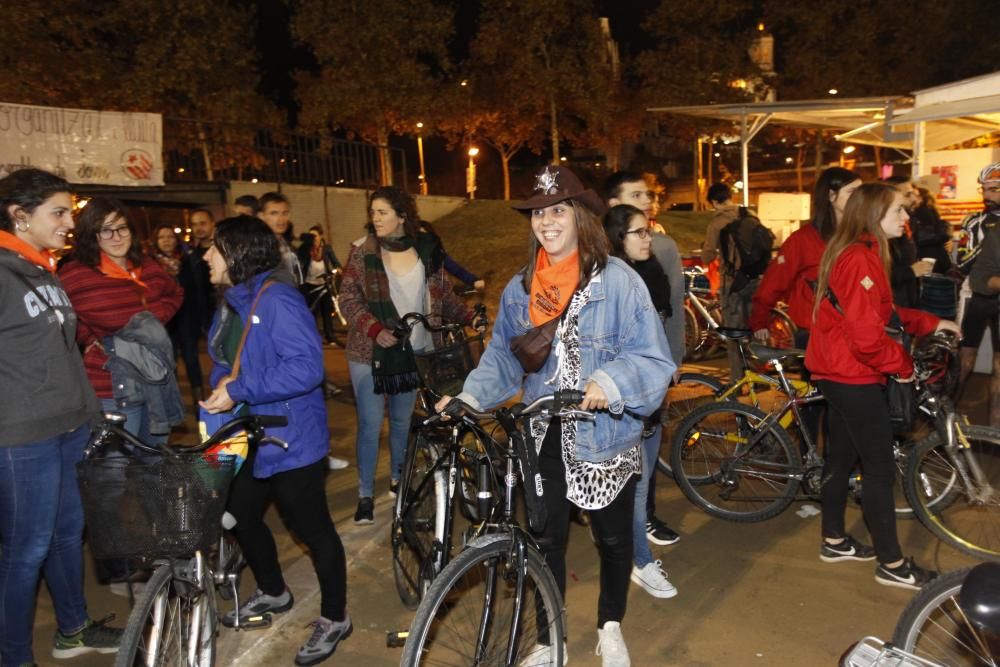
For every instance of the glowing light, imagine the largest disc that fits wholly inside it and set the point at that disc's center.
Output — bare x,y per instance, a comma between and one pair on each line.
716,154
788,160
738,185
849,150
177,230
419,125
562,159
760,27
180,170
253,180
473,152
833,91
464,82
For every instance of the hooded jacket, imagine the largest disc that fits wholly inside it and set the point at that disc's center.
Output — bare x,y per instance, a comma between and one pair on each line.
43,387
281,370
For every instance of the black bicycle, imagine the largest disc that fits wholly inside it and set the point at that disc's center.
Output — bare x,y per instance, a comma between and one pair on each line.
497,602
439,469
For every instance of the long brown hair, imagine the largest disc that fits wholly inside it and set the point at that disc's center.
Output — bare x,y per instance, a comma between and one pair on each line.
592,244
88,225
863,214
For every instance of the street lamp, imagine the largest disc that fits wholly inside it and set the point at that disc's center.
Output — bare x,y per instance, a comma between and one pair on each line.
420,152
470,173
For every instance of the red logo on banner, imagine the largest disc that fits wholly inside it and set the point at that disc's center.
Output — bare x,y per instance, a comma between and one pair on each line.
137,164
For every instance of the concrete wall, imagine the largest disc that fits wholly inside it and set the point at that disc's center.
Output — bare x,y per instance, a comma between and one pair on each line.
340,211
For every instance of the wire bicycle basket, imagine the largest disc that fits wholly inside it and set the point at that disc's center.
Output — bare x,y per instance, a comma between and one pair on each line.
444,369
160,508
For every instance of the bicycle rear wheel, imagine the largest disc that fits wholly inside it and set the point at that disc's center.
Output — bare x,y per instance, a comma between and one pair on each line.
467,616
417,526
170,619
934,627
722,473
964,514
690,391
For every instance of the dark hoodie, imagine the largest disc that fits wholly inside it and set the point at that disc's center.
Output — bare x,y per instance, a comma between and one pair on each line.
44,390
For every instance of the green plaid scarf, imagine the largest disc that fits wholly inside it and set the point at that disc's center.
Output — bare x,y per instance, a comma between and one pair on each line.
394,369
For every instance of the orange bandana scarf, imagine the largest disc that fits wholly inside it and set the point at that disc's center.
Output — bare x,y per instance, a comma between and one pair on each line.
112,270
43,258
552,285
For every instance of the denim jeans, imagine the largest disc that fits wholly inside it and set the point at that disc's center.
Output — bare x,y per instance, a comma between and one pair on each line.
41,534
371,411
641,553
136,421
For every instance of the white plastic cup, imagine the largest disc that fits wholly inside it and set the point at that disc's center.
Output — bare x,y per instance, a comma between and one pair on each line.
928,259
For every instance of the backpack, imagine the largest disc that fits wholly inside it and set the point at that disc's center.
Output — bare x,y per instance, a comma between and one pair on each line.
745,242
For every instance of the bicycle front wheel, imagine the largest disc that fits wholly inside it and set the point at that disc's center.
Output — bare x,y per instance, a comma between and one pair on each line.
723,468
170,621
689,392
483,605
956,493
934,627
417,525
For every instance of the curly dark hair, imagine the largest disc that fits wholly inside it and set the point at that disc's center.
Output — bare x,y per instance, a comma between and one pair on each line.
88,224
248,245
402,203
27,189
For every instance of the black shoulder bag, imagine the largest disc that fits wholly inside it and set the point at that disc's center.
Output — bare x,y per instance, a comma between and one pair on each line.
901,396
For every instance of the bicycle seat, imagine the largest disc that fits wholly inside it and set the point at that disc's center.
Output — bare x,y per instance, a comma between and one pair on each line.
769,354
733,334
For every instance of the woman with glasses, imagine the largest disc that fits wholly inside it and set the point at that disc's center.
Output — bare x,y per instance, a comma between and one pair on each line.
628,232
110,281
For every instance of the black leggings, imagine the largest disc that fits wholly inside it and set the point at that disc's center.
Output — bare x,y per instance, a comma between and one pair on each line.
300,495
859,428
612,526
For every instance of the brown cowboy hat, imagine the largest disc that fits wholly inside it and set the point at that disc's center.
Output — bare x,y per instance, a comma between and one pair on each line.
554,184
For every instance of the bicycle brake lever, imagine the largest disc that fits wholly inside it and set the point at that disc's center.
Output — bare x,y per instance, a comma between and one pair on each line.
579,414
271,440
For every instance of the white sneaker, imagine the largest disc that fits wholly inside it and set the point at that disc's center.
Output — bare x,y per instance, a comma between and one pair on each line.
611,646
541,655
654,580
334,463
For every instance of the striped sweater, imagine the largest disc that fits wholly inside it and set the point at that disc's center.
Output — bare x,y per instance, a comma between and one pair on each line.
104,305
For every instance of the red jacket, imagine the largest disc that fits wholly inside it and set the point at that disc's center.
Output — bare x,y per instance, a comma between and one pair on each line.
787,279
853,347
104,305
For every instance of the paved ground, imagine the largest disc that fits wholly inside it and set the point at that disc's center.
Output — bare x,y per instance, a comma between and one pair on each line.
750,594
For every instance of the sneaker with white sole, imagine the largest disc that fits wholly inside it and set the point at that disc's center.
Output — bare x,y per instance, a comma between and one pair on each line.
94,637
907,575
660,533
323,641
611,646
541,655
847,549
336,463
258,604
365,513
653,580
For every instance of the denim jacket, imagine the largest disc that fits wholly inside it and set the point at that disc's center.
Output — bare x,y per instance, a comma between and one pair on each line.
622,347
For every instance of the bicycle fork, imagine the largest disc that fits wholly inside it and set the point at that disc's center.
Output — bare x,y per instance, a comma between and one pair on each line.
979,491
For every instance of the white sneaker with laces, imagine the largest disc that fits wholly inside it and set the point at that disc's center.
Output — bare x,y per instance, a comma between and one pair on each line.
335,463
653,580
541,655
611,646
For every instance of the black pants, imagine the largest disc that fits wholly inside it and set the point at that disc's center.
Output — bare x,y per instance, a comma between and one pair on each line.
324,309
811,413
300,495
612,526
859,428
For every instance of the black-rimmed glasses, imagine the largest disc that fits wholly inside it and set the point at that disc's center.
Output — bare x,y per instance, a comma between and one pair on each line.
642,232
108,233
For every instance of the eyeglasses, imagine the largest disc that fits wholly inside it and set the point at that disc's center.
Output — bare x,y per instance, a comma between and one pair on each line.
642,232
108,233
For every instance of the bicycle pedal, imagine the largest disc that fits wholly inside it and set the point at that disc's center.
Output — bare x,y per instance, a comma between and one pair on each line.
256,622
396,639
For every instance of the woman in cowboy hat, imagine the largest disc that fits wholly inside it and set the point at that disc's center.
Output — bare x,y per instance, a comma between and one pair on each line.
608,342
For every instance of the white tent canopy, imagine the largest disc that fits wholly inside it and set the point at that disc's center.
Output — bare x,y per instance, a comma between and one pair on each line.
931,119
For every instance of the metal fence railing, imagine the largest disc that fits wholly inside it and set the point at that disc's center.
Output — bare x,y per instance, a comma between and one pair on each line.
199,151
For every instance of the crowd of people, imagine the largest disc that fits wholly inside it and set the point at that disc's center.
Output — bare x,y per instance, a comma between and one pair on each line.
600,268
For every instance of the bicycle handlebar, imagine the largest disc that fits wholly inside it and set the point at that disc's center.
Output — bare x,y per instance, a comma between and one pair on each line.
406,322
558,402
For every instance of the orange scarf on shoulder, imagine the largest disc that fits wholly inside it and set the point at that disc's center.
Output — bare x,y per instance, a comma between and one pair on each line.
43,258
552,286
112,270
